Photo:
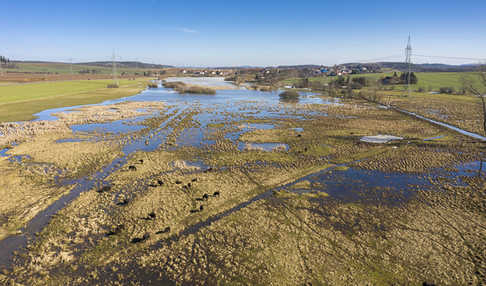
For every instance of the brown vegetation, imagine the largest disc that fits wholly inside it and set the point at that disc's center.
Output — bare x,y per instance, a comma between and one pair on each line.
163,220
182,88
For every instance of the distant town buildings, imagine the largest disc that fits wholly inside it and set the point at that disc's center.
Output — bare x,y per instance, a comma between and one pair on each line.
205,72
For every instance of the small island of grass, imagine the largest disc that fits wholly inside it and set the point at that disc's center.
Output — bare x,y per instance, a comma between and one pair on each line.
182,88
289,96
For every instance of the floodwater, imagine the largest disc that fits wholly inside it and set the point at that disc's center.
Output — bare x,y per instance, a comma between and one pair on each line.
227,105
203,81
223,107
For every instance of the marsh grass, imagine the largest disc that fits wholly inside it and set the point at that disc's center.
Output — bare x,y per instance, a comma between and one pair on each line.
173,84
21,131
182,88
286,239
75,158
289,95
197,90
23,196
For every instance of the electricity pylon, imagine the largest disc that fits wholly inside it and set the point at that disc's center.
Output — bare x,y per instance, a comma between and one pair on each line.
408,61
115,81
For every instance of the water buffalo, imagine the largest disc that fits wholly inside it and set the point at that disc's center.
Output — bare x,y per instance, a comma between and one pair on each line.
152,215
115,230
132,168
140,239
104,189
165,230
122,202
208,170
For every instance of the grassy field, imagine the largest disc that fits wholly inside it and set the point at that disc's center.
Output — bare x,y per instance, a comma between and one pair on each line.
65,68
428,81
19,102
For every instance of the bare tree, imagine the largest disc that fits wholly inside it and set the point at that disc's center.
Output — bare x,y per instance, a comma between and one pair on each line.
479,91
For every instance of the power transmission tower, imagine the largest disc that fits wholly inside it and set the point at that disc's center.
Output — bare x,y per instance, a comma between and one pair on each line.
115,81
1,62
408,61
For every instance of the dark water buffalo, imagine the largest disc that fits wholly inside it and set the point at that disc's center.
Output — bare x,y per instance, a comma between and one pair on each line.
104,189
165,230
140,239
122,202
115,230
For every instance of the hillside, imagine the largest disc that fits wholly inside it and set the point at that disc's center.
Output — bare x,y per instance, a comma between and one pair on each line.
434,67
128,64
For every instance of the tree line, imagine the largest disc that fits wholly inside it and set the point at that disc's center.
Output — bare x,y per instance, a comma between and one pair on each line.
6,62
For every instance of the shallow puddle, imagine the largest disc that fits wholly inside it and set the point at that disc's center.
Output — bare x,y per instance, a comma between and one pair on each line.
434,138
353,185
71,140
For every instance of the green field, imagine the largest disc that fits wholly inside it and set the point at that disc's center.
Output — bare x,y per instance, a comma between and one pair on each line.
428,81
65,68
20,101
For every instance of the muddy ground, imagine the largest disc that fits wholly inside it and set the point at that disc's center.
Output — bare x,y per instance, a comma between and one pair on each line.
244,194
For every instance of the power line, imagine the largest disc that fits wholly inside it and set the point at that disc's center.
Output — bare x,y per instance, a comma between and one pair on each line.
376,59
452,58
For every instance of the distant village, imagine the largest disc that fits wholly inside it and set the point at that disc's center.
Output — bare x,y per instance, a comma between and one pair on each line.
305,71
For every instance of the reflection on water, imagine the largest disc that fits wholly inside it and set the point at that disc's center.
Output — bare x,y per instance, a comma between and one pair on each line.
352,185
223,107
203,81
289,99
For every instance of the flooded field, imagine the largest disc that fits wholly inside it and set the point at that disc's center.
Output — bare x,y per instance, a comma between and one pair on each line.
239,187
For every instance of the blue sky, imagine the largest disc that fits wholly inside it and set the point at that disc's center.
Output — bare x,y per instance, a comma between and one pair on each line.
215,33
